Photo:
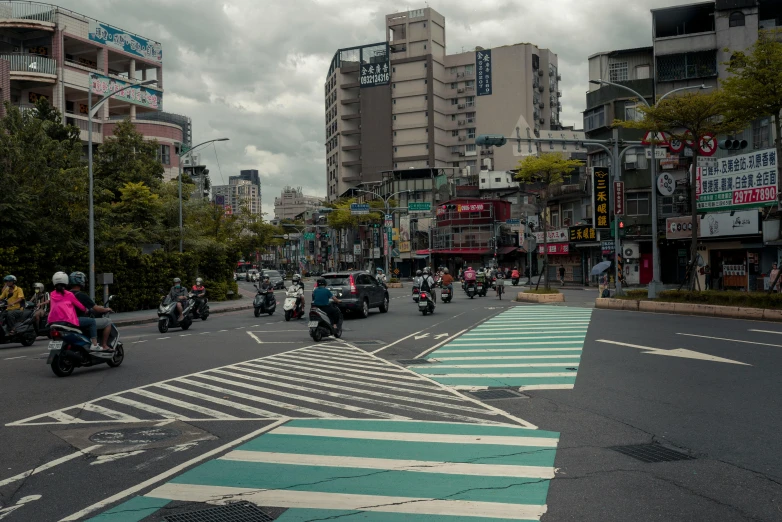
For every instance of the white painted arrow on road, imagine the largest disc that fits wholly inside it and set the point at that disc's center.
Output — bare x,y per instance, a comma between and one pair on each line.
678,352
417,337
438,336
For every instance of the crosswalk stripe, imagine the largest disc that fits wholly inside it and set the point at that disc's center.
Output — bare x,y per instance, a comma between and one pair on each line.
112,414
495,440
222,402
537,343
506,357
297,361
503,375
514,365
182,404
145,407
322,402
353,502
505,338
506,350
457,405
421,466
342,361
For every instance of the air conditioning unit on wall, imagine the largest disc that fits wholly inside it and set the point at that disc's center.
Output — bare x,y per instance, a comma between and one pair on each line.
631,251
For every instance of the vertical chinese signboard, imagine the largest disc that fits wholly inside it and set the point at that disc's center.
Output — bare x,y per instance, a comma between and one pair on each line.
619,198
741,181
600,193
484,71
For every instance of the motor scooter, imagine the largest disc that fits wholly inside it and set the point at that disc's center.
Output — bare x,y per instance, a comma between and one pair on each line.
69,348
446,295
294,303
425,303
24,329
480,289
200,312
469,288
264,302
167,314
320,325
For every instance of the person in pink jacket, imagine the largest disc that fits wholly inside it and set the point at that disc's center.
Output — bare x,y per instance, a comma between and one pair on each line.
64,305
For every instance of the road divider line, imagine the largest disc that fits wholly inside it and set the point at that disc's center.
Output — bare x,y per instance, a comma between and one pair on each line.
436,346
765,331
171,472
395,342
730,340
12,358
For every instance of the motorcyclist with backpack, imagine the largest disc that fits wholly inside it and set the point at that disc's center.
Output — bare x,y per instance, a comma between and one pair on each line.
428,285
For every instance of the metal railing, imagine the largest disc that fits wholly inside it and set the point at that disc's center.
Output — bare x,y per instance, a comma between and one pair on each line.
28,11
83,124
31,63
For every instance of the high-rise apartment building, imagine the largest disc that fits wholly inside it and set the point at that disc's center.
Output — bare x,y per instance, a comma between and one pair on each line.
406,104
240,194
292,202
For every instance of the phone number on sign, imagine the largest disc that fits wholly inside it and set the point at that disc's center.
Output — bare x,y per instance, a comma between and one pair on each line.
756,195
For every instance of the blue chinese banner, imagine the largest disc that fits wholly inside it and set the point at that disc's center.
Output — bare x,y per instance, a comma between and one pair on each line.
484,72
122,41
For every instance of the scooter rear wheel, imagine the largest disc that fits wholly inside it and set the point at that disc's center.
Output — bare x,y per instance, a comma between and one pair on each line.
61,366
316,335
29,338
287,315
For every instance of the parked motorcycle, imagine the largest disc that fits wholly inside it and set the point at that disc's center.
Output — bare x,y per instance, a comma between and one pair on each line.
320,325
200,312
446,295
167,315
294,303
24,329
69,348
425,303
265,302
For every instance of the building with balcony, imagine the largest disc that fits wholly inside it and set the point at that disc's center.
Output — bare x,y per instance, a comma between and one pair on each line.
292,202
50,52
405,104
240,195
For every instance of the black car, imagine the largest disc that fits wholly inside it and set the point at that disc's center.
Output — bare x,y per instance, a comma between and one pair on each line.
358,291
274,278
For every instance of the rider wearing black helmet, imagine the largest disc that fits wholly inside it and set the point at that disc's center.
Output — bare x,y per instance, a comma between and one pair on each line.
322,298
78,281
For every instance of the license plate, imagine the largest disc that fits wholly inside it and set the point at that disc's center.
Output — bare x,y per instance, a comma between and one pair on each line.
55,345
312,324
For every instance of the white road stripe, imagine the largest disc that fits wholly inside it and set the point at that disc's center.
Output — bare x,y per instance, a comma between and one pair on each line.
565,338
343,501
12,358
396,342
459,405
325,367
116,415
428,392
446,438
511,334
765,331
510,350
497,375
223,402
371,364
166,414
511,365
504,357
322,402
422,466
577,344
466,387
353,361
731,340
351,397
351,355
186,405
48,465
62,417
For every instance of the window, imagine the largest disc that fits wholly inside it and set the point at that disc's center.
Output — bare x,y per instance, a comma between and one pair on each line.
667,205
393,86
471,132
426,65
454,101
470,84
455,164
424,50
453,117
736,19
637,204
760,134
453,85
426,81
685,66
427,146
470,147
395,149
455,149
393,69
632,113
568,214
424,24
594,118
554,221
454,133
164,155
394,133
642,72
483,180
469,69
496,180
471,101
618,71
394,116
394,102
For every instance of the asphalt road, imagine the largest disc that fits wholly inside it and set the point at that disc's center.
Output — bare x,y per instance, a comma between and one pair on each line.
186,398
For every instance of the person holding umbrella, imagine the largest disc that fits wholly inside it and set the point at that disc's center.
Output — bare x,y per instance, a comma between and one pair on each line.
600,270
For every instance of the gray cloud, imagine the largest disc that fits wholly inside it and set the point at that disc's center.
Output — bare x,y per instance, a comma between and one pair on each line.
253,71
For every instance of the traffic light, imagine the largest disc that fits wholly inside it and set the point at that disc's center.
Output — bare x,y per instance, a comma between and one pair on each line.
731,144
491,140
618,224
622,229
449,207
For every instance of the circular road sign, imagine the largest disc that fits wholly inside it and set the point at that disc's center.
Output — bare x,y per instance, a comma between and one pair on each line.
666,185
286,236
707,145
676,145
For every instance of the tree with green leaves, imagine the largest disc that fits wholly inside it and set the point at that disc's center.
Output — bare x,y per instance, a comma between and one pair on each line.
341,219
546,170
754,87
690,116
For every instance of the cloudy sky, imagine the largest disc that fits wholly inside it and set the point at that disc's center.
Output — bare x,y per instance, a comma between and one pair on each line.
253,70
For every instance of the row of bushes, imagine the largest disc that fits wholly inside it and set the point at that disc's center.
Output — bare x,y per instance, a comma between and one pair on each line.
713,297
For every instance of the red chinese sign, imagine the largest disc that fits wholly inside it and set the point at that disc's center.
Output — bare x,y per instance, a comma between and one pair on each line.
555,248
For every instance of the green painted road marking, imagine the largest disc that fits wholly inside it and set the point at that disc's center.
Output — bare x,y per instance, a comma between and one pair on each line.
135,509
453,428
308,515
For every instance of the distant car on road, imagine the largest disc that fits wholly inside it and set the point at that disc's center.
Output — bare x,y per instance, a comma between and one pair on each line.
274,278
358,291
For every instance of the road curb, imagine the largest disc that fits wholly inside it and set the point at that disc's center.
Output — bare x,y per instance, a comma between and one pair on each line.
149,320
731,312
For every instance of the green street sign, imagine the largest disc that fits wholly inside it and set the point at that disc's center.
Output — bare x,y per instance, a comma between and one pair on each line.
419,207
309,236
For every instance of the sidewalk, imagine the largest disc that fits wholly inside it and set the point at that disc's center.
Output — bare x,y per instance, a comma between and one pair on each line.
215,307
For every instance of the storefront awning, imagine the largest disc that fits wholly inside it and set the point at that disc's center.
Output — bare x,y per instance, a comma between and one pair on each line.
456,251
507,250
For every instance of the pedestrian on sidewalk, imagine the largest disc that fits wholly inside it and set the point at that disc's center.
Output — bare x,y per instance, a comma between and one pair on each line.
773,275
562,274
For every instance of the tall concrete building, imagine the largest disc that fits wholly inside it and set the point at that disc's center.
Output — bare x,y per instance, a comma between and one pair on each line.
405,103
239,194
293,202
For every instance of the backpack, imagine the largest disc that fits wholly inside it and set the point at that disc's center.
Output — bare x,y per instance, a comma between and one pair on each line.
425,284
606,294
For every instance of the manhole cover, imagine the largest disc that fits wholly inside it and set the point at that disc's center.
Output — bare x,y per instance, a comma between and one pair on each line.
134,436
488,395
235,512
650,453
408,362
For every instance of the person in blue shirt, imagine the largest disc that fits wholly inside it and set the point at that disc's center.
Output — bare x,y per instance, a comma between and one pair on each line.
322,298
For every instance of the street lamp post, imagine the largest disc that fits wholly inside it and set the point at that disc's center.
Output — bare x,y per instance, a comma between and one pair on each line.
385,228
181,154
91,110
655,249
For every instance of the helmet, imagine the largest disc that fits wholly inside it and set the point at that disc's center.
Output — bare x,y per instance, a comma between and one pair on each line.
418,273
266,277
469,268
426,270
38,287
378,269
177,280
9,278
199,281
296,277
78,278
60,278
322,281
445,270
